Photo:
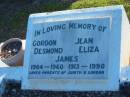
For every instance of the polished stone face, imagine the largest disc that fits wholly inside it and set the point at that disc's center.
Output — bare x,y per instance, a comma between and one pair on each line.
76,50
66,49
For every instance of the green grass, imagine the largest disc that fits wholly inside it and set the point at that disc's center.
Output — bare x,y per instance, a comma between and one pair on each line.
20,17
98,3
94,3
13,24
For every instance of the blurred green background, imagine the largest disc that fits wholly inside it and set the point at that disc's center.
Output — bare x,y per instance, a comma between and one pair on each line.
14,13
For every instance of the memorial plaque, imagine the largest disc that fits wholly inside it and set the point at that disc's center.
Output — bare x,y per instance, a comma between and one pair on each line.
75,50
62,49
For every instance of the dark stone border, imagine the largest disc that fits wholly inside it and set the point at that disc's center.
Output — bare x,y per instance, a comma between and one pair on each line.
13,89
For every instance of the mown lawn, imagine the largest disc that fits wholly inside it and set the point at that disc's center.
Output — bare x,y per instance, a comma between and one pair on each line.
98,3
14,13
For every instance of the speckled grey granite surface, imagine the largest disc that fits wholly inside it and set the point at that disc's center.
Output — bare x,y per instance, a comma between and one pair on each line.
13,89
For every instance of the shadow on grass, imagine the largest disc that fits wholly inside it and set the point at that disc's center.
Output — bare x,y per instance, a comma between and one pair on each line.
13,20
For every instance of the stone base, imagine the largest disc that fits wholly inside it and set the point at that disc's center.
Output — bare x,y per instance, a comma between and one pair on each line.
2,85
13,89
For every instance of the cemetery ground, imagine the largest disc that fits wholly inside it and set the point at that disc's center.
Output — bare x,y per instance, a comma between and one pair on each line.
14,13
14,90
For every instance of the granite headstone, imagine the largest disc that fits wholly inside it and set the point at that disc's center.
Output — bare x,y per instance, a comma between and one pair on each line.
76,50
